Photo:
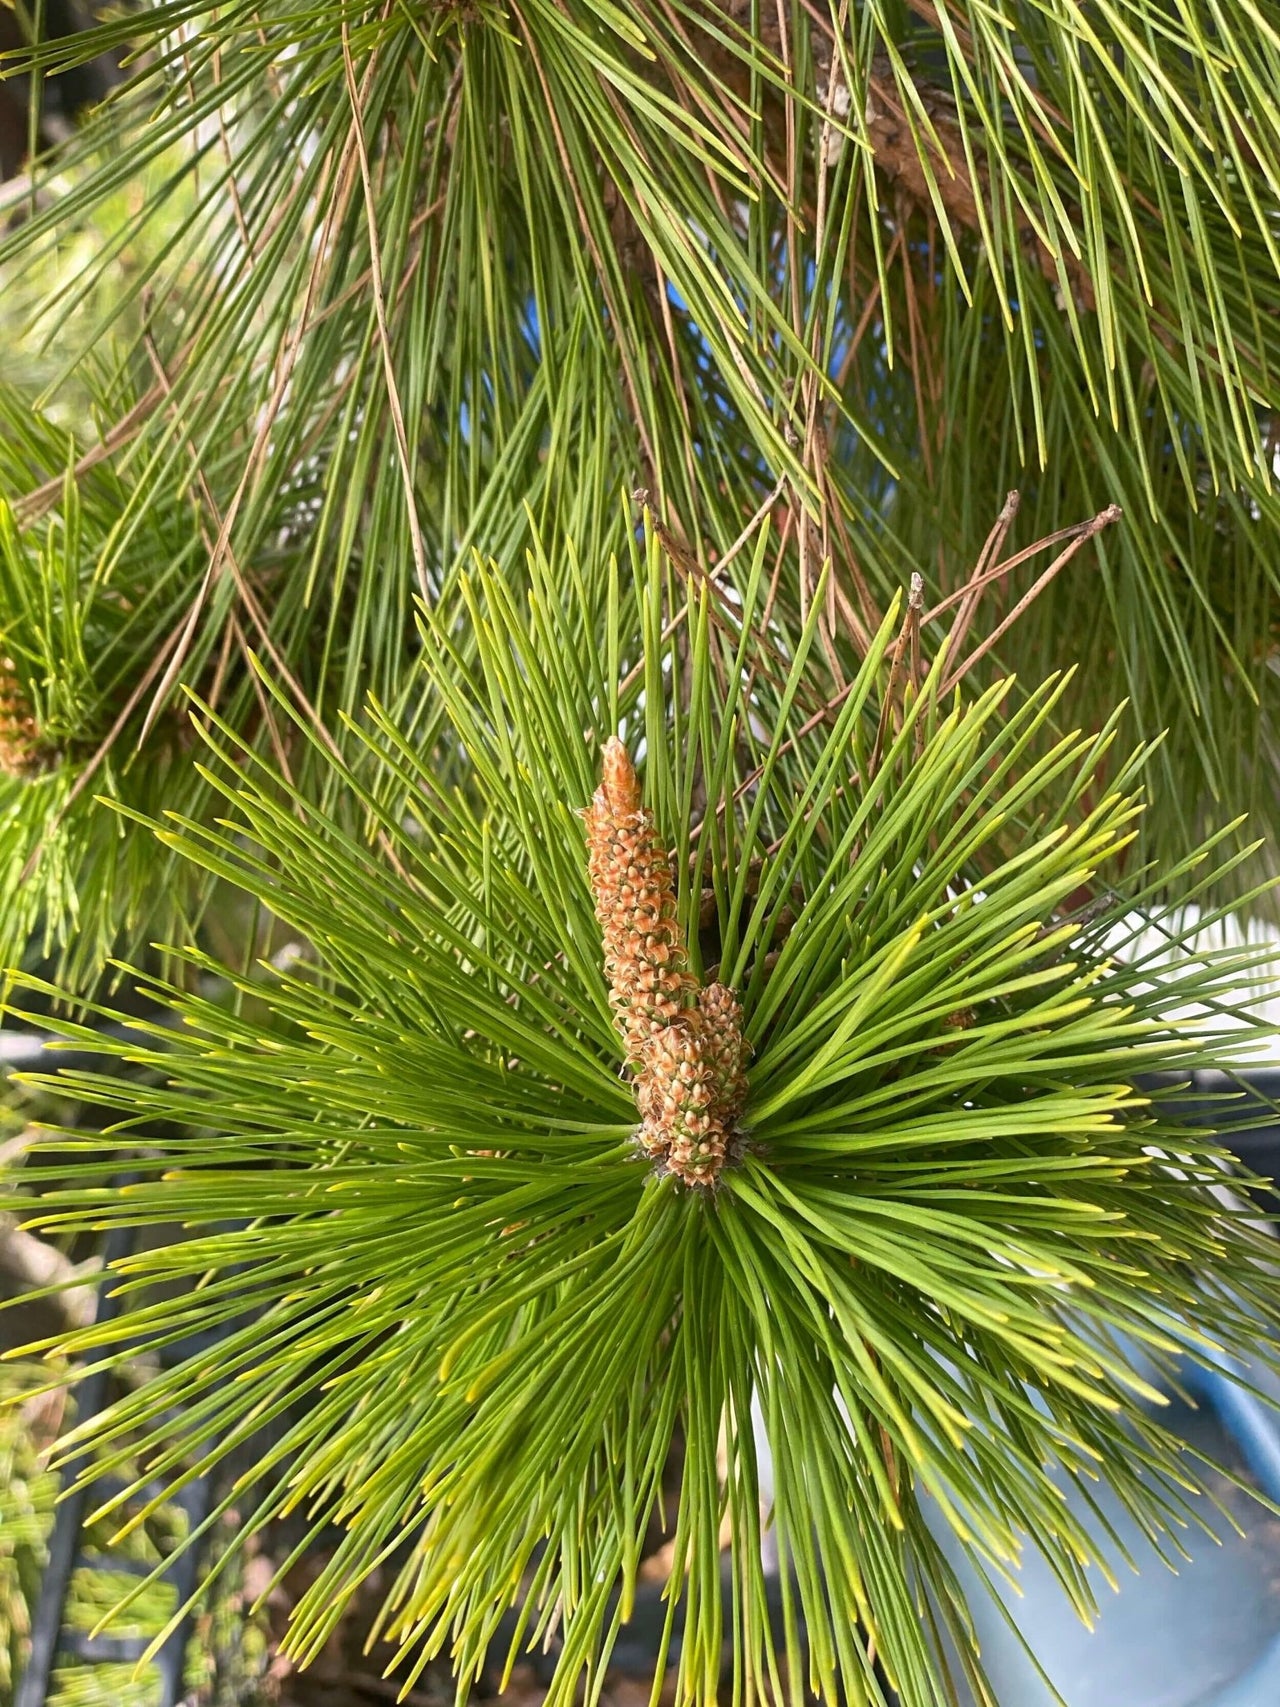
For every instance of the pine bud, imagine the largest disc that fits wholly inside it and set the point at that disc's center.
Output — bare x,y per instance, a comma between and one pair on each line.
644,952
23,753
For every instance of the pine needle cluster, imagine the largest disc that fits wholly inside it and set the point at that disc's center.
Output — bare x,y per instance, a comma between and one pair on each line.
464,1316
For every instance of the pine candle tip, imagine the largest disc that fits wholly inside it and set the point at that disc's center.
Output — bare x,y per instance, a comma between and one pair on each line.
618,777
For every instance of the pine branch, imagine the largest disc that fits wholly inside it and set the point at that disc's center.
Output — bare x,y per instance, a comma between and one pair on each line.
414,1199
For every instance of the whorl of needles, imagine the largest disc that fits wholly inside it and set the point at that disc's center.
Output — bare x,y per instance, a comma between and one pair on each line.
684,1043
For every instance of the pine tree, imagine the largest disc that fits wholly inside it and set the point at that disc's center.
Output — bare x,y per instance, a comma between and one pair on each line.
708,568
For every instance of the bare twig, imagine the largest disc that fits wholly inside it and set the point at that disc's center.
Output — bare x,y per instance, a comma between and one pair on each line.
1083,533
952,645
905,650
1004,568
722,563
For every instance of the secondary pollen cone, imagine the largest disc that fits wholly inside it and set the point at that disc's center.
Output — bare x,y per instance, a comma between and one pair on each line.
684,1043
720,1014
684,1123
23,752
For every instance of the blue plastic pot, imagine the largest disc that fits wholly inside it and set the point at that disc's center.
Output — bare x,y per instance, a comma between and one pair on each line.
1207,1636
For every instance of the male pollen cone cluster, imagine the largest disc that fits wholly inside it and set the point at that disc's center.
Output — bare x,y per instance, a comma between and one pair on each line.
684,1041
22,750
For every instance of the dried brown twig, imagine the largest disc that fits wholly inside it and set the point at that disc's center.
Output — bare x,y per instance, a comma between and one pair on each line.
919,619
1077,536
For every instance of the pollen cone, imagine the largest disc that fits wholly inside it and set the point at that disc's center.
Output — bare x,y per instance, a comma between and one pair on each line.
22,750
685,1044
644,953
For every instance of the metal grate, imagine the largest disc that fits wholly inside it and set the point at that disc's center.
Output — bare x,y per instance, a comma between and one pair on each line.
51,1637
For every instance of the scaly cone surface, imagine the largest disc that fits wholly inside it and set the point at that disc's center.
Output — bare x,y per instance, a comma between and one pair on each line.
684,1124
684,1043
645,958
726,1048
